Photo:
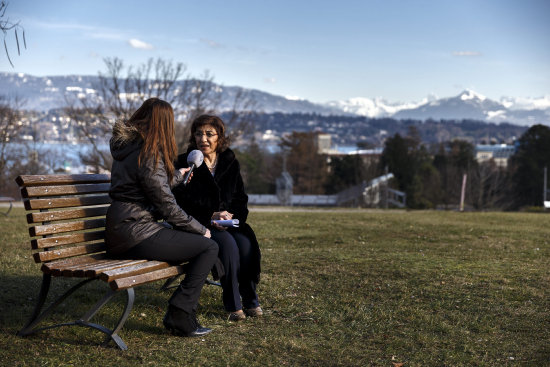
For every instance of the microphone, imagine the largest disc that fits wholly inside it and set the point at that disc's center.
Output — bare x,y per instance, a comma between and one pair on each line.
194,159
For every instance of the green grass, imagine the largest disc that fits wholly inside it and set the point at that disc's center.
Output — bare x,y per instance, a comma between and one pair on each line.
372,289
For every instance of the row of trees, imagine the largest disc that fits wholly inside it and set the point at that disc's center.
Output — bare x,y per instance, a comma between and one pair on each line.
312,173
430,175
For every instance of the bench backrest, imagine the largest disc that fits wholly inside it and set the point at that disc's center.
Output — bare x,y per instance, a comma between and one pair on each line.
67,214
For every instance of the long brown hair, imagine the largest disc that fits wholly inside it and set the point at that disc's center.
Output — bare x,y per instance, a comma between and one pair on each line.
217,123
155,122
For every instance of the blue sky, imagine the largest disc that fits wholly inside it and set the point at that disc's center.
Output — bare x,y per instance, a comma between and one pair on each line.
317,50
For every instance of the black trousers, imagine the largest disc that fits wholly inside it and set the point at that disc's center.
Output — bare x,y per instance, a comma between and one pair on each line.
236,254
178,247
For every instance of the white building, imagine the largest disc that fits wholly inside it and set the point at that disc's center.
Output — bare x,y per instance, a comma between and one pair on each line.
499,153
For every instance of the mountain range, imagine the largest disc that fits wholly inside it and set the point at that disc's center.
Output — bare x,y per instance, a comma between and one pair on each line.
45,93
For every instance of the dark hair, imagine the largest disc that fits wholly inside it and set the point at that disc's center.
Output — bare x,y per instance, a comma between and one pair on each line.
155,122
217,123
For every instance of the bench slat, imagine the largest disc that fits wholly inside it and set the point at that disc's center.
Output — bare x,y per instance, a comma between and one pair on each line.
79,271
66,239
44,180
51,216
66,202
45,191
69,251
124,283
129,271
93,269
56,267
96,271
70,271
66,227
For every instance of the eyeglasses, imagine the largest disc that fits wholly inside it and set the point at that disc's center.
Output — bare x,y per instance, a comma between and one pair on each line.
209,134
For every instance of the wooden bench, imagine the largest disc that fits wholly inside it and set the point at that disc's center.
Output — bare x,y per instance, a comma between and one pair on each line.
68,230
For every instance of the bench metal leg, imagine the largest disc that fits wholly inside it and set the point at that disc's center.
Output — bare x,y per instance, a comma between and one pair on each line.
44,289
211,282
37,316
111,334
9,209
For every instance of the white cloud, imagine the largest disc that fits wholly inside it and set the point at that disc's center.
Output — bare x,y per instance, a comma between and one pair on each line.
526,103
135,43
466,53
270,80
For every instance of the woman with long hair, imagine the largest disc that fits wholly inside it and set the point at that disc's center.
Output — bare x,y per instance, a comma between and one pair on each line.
143,150
217,193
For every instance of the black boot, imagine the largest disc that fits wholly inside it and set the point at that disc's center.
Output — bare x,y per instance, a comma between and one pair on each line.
182,323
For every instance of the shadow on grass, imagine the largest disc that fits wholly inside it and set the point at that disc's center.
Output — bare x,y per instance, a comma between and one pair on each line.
19,295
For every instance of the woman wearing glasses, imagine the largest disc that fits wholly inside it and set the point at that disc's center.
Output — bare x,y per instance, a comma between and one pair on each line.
217,192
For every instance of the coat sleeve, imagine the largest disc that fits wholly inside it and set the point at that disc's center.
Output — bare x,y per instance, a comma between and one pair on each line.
156,188
239,199
194,200
177,179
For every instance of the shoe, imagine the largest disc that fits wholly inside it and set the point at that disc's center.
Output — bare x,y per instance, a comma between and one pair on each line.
200,329
237,316
254,312
181,323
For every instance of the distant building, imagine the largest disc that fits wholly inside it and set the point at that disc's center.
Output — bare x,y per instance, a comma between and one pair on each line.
324,146
324,142
499,153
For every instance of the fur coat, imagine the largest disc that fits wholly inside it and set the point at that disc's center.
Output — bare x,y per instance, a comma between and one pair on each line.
206,194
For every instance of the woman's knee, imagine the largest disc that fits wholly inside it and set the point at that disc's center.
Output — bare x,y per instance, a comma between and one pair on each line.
244,245
208,247
227,245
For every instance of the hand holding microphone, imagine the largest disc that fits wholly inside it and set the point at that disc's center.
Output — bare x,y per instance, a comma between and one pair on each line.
194,159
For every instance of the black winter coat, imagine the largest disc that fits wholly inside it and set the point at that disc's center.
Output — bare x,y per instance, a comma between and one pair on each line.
141,196
206,194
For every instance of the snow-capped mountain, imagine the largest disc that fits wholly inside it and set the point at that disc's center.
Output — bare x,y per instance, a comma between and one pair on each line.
45,93
467,105
375,107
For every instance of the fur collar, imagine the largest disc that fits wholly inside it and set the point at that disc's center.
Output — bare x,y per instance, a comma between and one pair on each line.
226,159
125,140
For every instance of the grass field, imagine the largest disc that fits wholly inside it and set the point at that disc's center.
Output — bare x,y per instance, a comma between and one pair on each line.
339,288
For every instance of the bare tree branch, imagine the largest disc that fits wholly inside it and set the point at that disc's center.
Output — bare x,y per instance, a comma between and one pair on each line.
121,90
6,25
